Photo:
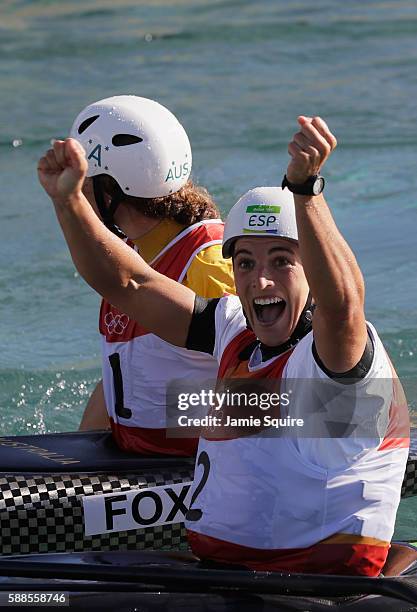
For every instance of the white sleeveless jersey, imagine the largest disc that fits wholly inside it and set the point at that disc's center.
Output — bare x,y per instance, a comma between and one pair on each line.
137,365
293,503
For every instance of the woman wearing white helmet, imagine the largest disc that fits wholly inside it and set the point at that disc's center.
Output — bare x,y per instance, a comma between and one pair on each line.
139,164
321,500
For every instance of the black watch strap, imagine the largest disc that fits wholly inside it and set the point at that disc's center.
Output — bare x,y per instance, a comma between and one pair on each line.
314,185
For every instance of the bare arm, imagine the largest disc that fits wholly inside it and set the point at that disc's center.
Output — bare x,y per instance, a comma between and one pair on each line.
113,269
331,269
95,414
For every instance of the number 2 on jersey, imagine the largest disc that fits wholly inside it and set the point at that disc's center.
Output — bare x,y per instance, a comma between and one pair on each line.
195,514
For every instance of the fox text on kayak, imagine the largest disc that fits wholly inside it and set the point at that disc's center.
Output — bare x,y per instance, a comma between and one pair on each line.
150,507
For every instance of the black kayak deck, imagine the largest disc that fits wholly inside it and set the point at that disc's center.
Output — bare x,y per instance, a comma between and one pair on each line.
76,452
155,580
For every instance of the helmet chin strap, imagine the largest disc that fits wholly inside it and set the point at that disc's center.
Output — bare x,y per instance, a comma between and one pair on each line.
107,212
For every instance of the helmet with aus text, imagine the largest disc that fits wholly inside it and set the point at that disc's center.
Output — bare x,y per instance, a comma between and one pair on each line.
138,142
264,211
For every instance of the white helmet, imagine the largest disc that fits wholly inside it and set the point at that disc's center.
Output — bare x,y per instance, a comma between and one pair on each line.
138,142
263,211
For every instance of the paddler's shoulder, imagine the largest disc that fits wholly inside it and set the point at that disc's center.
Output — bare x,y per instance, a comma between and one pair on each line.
209,274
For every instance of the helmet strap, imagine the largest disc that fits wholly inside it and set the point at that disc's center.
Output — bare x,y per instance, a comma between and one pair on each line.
107,212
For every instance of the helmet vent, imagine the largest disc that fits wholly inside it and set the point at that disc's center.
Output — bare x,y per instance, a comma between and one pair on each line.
85,124
122,140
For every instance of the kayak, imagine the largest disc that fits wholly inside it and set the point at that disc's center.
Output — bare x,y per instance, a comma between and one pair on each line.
156,580
73,492
78,492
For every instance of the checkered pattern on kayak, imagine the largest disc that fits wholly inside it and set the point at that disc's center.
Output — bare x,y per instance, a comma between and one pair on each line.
44,513
409,487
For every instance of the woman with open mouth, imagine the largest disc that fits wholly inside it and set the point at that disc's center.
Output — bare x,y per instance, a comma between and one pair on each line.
322,500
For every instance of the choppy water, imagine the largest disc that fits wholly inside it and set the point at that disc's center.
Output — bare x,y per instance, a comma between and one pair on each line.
237,73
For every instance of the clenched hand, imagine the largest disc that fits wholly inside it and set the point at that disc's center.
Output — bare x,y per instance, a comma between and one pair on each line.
62,170
309,149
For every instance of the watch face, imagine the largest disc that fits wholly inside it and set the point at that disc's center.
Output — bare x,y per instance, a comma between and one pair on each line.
318,185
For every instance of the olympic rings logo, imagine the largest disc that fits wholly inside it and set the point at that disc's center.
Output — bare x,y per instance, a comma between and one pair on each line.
116,324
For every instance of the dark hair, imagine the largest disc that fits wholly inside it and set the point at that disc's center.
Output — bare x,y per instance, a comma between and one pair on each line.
187,206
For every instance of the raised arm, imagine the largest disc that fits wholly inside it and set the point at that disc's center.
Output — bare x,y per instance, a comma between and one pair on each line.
331,269
113,269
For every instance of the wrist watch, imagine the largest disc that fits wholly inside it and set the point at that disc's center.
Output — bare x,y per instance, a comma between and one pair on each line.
314,185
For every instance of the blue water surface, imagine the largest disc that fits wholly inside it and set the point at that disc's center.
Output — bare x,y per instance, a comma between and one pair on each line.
237,73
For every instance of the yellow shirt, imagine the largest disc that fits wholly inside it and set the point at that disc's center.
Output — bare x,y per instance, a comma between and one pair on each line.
209,275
